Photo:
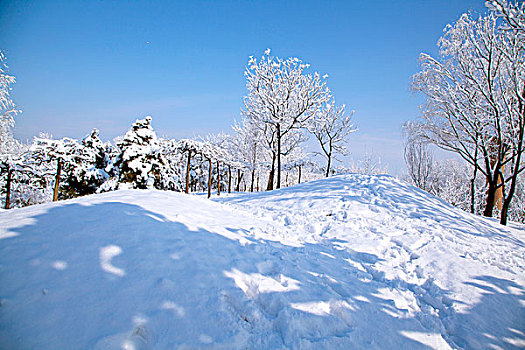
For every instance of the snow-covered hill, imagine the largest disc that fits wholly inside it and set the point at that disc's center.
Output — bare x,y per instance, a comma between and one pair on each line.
346,262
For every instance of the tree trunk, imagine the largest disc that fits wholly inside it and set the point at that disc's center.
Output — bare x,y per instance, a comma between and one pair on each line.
506,203
209,178
239,178
257,183
8,187
229,179
328,165
188,172
271,175
473,193
252,180
57,180
491,196
473,182
218,180
278,156
299,174
517,163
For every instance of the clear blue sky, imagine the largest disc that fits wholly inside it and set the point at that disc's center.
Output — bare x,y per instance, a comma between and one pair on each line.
103,64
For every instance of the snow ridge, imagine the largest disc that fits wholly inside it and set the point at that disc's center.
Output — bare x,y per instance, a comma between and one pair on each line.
350,261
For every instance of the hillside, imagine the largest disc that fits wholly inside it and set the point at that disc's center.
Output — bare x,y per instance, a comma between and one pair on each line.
346,262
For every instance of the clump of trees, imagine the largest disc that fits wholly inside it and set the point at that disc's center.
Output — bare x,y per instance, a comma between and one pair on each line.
284,103
283,106
475,104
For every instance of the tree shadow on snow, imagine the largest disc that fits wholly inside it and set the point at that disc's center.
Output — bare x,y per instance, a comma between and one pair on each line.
101,275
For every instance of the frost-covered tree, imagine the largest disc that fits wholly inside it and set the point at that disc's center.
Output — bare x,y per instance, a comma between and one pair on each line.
86,172
419,163
10,149
369,164
247,144
141,162
475,102
8,145
282,96
59,154
190,148
331,127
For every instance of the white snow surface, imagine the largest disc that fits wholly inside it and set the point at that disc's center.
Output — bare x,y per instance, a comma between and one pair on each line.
348,262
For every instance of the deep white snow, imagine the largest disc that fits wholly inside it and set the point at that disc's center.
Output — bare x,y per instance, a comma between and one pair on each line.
347,262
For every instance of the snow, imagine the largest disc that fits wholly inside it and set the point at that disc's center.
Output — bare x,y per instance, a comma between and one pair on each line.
346,262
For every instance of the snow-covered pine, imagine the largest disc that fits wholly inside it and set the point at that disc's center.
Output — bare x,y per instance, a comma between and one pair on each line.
86,172
282,96
141,162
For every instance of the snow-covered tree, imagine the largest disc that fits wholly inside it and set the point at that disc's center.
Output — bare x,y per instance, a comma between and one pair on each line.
475,102
331,127
59,154
86,172
369,164
8,145
10,149
248,146
419,162
141,162
191,148
282,96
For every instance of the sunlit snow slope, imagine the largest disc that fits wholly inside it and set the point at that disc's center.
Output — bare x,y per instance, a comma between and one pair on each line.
347,262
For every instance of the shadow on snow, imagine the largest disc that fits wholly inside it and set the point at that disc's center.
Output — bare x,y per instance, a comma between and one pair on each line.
89,276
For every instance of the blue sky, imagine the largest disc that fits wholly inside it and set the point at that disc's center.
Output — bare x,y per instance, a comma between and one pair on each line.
103,64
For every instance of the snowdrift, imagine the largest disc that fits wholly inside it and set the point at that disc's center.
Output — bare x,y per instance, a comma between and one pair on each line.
347,262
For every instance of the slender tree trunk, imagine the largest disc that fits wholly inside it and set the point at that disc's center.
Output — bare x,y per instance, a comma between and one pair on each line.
271,175
209,178
257,183
252,180
188,172
473,181
229,179
239,178
57,180
278,156
218,179
8,187
299,174
473,191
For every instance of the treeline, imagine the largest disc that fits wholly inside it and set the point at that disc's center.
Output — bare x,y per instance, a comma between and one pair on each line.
283,107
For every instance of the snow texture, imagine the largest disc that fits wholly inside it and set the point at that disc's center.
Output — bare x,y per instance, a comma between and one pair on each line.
347,262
